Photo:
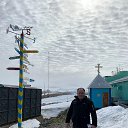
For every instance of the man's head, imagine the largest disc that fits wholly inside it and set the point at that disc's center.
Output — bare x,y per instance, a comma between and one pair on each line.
81,93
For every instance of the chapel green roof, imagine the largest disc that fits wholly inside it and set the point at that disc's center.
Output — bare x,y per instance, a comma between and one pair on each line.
119,75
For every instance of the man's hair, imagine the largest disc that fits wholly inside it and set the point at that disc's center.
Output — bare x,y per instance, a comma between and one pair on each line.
80,88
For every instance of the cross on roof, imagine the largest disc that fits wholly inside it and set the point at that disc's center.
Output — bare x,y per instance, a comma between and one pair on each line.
98,68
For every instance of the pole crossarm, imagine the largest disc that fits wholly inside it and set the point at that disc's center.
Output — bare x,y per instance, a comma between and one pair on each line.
30,51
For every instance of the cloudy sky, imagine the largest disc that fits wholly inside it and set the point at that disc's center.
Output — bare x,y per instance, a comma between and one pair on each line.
78,34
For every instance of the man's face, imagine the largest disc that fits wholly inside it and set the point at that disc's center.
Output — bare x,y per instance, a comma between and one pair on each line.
81,93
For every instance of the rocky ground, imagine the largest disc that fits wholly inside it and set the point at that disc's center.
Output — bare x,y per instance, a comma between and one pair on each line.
54,122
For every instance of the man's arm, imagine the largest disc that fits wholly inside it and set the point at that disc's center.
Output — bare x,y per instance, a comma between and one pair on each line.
69,114
93,114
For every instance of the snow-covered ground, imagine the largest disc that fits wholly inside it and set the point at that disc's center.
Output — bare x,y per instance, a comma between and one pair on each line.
113,117
28,124
54,105
109,117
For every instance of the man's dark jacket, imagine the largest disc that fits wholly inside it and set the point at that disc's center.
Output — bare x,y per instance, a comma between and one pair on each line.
80,111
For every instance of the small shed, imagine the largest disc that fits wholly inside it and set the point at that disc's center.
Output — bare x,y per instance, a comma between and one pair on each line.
100,92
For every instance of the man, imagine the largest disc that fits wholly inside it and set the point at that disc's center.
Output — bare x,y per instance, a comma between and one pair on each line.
80,110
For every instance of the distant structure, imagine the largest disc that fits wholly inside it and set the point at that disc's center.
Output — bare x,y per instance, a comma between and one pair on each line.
100,91
119,83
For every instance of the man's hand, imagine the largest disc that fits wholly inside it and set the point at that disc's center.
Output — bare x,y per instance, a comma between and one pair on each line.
67,125
92,126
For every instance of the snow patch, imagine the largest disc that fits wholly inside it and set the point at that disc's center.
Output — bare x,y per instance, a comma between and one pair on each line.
112,117
60,104
28,124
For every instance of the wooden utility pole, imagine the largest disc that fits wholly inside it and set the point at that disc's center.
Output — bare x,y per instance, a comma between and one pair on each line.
48,72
